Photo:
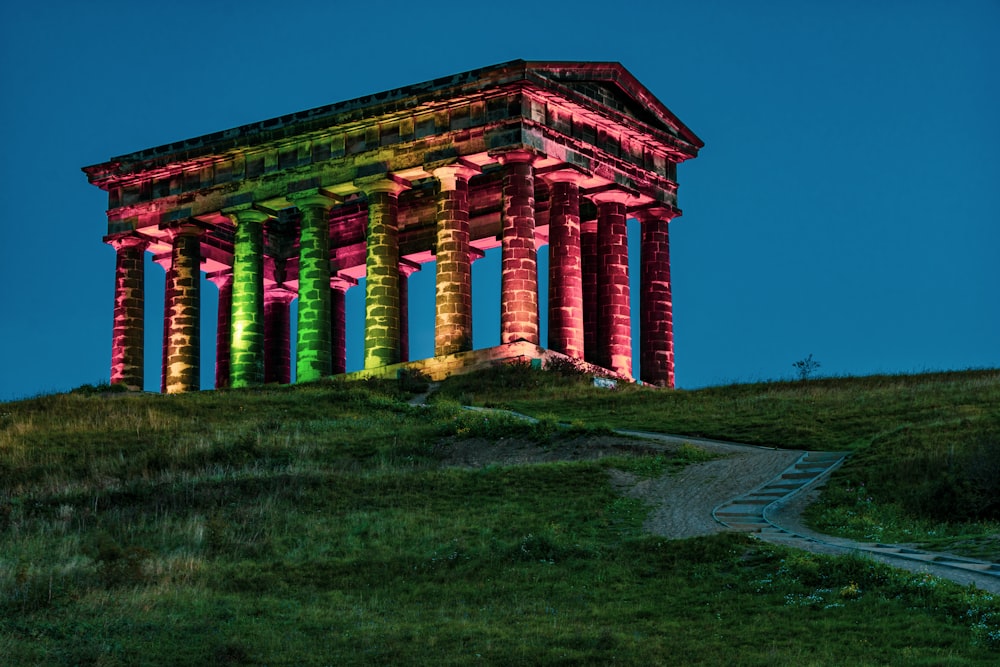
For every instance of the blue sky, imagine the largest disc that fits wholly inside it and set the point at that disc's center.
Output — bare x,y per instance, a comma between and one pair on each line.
844,204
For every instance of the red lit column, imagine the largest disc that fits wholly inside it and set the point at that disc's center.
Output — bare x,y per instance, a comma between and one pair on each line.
614,327
588,261
406,269
223,331
127,332
382,312
277,336
184,302
312,352
453,280
338,322
566,328
164,261
518,263
656,331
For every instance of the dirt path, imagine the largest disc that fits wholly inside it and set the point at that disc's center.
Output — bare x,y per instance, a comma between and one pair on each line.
684,501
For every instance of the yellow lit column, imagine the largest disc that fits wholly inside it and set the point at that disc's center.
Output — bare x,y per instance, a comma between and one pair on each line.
184,302
382,316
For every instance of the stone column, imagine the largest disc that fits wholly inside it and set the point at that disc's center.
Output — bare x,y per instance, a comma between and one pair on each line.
453,280
165,340
588,252
184,303
338,322
223,328
312,358
519,268
277,335
127,328
614,327
566,327
247,343
406,269
382,314
656,331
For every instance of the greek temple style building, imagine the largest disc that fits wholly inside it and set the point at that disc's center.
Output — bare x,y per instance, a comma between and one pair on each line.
367,191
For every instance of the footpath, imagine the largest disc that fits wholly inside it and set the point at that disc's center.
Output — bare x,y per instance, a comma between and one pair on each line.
773,512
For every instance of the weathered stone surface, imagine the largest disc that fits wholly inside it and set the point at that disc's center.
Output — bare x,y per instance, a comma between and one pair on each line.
247,340
382,316
277,336
313,342
518,264
439,170
183,306
127,332
656,333
614,327
223,328
453,303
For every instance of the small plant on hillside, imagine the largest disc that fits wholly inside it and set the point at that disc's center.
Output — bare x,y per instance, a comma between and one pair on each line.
806,367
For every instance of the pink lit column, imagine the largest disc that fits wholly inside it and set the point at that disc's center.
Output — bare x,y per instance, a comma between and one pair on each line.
127,332
184,293
614,327
453,281
164,261
588,261
566,329
406,269
656,332
519,268
338,322
277,335
223,332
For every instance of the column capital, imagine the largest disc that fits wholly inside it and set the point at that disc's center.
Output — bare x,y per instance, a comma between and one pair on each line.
276,293
517,156
408,267
188,227
126,240
312,198
652,213
222,277
342,282
565,175
245,213
615,195
380,183
448,175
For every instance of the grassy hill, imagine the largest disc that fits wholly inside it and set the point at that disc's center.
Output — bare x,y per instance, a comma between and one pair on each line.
322,525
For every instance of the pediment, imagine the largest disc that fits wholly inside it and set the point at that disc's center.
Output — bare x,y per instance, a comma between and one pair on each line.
611,86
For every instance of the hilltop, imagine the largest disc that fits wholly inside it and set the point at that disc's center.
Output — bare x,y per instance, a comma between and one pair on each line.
335,523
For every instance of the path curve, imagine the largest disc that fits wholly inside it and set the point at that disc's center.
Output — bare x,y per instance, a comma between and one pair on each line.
763,491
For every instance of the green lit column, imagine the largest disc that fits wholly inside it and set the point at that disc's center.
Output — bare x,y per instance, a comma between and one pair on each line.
246,363
382,315
312,354
184,302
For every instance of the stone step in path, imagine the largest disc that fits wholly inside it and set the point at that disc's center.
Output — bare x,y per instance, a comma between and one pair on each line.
754,511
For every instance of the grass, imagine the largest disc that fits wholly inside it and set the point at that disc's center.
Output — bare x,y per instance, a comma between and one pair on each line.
925,464
315,525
